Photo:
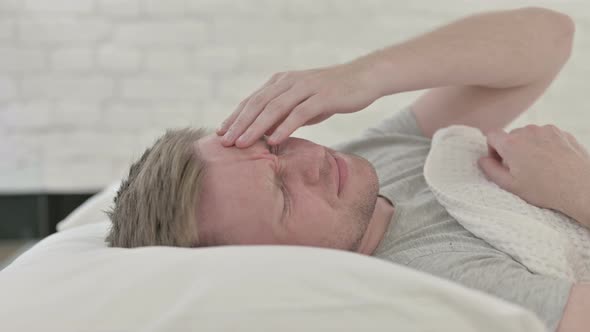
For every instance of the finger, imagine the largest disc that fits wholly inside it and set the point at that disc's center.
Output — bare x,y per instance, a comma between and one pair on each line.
227,122
497,140
274,127
277,124
300,114
569,137
564,136
230,120
577,146
497,173
517,130
493,153
276,110
251,111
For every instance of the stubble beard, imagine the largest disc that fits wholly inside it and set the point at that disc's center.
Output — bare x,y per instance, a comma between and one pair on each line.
362,209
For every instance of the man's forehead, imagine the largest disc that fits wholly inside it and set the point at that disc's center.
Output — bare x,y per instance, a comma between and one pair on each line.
210,147
237,183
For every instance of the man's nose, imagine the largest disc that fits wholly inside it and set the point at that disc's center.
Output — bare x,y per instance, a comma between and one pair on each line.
314,164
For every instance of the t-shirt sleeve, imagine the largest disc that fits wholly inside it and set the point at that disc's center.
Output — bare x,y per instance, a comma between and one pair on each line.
400,122
503,277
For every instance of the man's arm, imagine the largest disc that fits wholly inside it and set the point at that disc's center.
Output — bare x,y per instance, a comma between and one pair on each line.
577,311
486,69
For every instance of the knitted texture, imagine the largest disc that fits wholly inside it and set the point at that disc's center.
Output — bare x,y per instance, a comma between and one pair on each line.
545,241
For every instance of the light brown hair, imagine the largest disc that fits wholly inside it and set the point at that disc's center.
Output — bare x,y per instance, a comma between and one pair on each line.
155,205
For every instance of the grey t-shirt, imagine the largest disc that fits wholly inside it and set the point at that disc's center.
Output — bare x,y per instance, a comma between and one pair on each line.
422,235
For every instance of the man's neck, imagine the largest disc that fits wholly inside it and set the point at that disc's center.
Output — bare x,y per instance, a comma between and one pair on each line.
377,226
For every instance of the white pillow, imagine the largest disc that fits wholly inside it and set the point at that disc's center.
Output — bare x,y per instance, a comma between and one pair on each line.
70,281
91,211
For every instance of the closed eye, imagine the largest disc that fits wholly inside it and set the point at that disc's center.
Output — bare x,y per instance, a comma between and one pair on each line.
287,201
275,149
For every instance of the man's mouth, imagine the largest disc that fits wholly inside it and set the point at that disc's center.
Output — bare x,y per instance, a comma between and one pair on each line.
342,172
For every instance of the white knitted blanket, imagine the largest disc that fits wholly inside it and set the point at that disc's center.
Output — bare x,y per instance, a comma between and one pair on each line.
545,241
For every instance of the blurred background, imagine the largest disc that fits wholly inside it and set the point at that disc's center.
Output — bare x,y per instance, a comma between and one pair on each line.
86,85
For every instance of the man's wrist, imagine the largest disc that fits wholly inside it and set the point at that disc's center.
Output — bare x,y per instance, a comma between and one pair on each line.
374,72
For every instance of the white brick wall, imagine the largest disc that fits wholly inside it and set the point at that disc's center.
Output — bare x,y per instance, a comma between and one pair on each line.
167,61
174,32
7,88
119,8
86,85
118,59
21,60
64,86
72,59
60,6
60,30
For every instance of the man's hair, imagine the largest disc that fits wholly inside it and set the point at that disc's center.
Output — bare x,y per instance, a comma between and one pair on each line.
156,204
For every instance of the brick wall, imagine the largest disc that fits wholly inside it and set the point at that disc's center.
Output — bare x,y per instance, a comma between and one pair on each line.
85,85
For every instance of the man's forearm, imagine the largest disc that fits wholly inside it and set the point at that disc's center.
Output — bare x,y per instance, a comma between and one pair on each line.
497,49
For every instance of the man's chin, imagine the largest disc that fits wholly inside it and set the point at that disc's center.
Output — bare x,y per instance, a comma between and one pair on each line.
367,173
368,191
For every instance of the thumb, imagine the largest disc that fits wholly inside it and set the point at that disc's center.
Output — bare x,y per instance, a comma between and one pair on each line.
496,172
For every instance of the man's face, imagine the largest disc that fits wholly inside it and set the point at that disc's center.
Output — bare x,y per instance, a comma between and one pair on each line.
258,195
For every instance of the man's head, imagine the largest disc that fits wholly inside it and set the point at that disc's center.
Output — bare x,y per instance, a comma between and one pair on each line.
155,204
267,195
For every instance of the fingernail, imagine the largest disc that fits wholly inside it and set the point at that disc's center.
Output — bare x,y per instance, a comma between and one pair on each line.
243,138
228,136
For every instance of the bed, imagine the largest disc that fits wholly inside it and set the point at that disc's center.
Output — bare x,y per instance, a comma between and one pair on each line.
71,281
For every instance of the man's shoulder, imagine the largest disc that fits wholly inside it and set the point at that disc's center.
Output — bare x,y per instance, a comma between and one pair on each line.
401,122
398,129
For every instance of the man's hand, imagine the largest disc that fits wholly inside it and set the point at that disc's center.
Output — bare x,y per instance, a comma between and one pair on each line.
545,166
290,100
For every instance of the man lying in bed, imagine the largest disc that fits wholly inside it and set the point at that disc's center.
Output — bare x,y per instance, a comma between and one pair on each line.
236,186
